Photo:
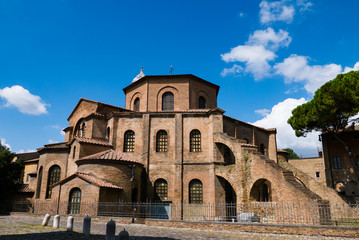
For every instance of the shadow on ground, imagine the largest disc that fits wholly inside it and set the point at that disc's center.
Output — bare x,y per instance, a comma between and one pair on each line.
61,235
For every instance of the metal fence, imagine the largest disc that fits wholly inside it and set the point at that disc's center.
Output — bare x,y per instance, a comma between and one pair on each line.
311,213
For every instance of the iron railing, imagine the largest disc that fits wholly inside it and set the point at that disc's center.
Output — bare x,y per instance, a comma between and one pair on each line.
311,213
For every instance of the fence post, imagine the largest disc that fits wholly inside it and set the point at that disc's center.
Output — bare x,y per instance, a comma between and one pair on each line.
46,220
56,223
123,235
110,230
70,223
87,226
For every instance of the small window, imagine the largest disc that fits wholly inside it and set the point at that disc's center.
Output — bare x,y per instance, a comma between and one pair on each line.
195,141
54,176
161,189
161,141
108,129
129,144
74,201
74,152
27,178
317,174
195,192
201,103
167,101
262,149
39,181
81,131
136,105
337,163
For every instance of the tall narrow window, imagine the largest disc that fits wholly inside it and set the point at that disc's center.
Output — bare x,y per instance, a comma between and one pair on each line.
161,141
54,176
136,105
161,189
195,141
167,101
74,152
262,149
39,181
74,201
129,144
337,163
195,191
201,102
81,129
108,129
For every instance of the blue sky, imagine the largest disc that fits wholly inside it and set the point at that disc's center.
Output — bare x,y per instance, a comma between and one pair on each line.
267,57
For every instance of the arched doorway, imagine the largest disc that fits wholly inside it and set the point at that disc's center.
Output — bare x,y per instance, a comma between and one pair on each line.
74,201
228,195
225,154
261,191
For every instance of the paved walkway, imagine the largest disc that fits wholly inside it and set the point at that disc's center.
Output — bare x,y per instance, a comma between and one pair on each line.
25,227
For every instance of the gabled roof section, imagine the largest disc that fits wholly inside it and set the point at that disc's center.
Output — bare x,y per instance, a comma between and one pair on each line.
31,156
178,76
54,146
88,178
100,106
91,141
109,155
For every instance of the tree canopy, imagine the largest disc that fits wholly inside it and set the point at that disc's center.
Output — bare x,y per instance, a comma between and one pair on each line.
10,172
292,154
332,107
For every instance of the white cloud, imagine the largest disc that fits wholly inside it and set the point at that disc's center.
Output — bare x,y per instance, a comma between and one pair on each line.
255,57
264,112
23,100
3,142
276,11
296,69
62,133
278,117
52,141
269,38
235,70
304,5
355,68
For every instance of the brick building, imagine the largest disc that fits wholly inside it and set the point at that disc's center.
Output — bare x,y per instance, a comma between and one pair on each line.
170,143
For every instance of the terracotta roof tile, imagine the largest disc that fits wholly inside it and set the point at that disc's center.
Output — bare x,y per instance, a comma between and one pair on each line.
26,188
110,155
55,146
93,141
89,178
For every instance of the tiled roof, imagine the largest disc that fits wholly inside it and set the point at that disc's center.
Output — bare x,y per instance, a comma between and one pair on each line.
26,188
110,155
55,146
93,141
28,156
89,178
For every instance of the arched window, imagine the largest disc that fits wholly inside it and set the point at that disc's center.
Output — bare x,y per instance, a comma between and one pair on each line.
201,102
195,141
108,129
161,141
136,105
195,191
161,189
74,201
167,101
74,152
39,180
129,143
81,129
54,176
262,149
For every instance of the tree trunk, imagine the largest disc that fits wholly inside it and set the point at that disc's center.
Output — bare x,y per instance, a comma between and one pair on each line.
350,154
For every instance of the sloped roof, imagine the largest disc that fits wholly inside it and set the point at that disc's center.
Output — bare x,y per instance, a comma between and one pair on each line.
88,178
25,188
92,141
61,145
28,156
110,155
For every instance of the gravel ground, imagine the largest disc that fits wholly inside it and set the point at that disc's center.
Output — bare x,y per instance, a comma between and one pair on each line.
25,227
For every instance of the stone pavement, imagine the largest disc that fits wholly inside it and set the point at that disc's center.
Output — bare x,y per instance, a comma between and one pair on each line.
28,227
